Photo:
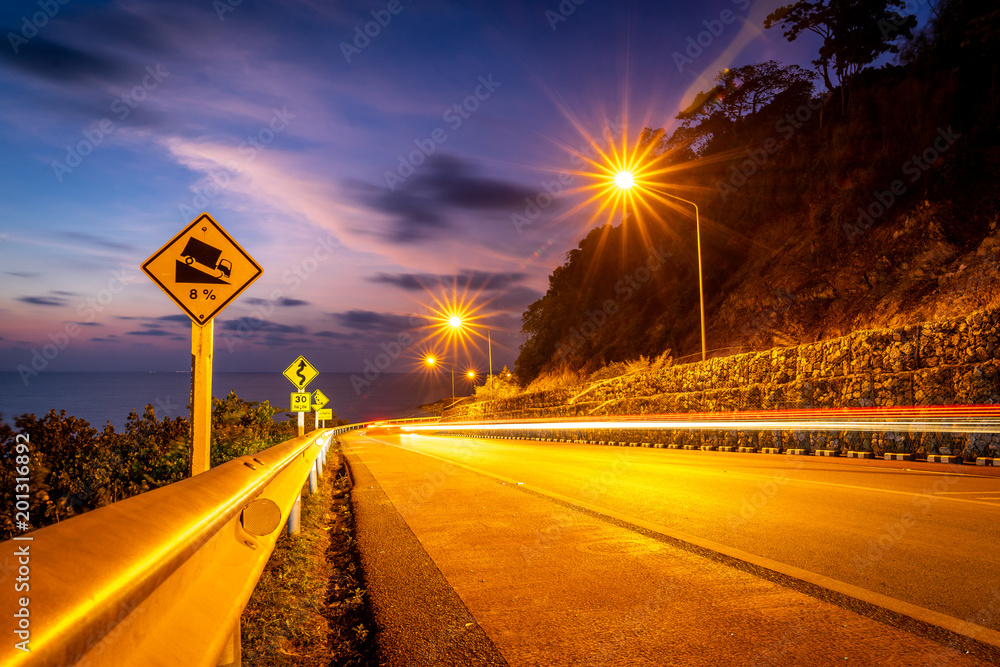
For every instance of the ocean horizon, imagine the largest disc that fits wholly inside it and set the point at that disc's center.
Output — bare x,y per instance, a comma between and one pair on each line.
101,397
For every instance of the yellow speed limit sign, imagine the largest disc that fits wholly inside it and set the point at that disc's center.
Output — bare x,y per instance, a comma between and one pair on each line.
301,401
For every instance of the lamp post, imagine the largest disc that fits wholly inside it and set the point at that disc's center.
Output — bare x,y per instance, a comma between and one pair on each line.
625,180
455,322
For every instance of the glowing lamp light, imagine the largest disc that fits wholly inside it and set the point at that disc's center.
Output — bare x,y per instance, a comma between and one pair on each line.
455,322
624,180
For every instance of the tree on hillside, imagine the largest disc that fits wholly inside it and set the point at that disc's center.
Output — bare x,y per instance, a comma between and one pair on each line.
964,34
718,114
855,32
745,90
539,322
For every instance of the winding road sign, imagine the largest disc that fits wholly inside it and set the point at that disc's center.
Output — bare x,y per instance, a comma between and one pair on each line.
301,372
202,269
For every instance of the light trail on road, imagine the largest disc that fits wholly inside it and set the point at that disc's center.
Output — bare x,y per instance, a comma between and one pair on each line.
923,419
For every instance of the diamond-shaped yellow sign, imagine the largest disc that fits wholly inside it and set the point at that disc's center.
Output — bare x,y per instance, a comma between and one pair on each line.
319,399
301,372
202,269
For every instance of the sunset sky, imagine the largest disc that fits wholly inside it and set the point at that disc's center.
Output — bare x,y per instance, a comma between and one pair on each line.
308,141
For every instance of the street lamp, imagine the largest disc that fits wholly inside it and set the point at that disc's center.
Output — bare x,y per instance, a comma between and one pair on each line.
432,362
625,180
456,319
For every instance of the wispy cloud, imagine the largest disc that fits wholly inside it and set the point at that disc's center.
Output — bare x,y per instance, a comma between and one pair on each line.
420,209
43,300
467,278
368,320
284,301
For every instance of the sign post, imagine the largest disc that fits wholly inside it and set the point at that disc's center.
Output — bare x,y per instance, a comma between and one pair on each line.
202,269
300,373
201,396
300,405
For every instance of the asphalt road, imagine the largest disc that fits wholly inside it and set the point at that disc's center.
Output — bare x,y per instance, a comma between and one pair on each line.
566,554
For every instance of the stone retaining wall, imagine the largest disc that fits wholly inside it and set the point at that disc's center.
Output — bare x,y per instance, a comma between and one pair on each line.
947,362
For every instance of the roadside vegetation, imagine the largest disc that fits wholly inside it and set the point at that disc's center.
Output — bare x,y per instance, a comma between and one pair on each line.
310,607
76,468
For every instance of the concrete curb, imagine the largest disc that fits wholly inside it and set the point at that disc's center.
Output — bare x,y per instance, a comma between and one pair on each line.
943,458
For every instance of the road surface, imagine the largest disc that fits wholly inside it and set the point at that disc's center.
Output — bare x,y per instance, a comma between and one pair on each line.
579,554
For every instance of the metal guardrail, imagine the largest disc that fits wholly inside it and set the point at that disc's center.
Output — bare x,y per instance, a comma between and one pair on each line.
160,578
393,422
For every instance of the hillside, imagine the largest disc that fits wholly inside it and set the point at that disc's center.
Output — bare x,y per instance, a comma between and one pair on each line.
869,205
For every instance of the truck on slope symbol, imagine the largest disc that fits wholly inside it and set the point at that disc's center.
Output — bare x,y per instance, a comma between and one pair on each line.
198,251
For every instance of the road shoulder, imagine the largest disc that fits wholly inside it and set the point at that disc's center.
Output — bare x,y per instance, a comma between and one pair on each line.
421,619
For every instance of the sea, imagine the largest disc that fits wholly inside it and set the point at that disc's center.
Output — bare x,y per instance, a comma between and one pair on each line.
109,397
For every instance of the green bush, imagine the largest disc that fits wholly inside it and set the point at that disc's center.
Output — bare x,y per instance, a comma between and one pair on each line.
502,385
241,428
76,468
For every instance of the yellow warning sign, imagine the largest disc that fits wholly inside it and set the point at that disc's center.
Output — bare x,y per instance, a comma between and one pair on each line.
325,414
319,400
301,373
202,269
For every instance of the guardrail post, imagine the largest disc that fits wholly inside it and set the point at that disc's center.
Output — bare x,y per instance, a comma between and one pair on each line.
313,482
232,653
294,515
319,464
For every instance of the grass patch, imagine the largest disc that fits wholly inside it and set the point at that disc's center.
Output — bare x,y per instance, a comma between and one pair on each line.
309,608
